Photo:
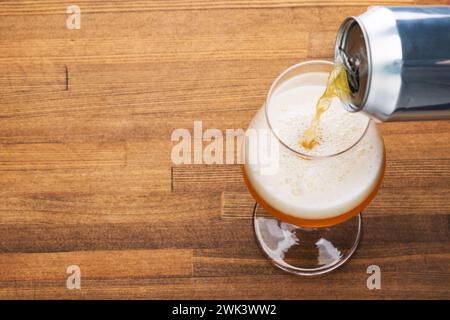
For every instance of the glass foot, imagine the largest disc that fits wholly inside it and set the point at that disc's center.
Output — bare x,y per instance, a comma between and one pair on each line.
306,251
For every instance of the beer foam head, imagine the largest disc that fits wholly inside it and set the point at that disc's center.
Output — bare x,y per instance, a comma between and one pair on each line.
316,188
291,108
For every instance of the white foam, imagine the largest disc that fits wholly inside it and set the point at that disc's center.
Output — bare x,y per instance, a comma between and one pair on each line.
292,109
324,188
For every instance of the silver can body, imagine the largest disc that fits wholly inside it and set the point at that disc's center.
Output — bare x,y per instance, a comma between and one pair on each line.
398,62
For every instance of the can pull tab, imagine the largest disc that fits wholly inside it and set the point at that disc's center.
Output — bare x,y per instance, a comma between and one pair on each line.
351,65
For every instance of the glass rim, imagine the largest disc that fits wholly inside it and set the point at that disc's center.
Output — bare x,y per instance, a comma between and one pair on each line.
280,140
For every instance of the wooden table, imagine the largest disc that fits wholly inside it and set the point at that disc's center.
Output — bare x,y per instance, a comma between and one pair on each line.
86,176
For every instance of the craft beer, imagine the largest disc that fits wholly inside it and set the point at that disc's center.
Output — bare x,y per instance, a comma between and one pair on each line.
320,186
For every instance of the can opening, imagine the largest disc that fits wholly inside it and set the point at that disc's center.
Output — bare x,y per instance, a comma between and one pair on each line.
351,49
351,65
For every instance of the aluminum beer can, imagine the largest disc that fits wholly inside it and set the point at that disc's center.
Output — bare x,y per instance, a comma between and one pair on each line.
398,62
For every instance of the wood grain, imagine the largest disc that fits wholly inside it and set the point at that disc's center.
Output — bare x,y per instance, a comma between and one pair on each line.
86,177
97,264
409,201
404,173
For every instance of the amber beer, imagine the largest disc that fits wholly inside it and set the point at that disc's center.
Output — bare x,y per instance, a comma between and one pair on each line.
320,186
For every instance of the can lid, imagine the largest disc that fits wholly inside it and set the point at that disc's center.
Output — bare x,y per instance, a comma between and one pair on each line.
352,51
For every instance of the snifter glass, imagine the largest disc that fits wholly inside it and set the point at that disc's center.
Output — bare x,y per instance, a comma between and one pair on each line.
310,246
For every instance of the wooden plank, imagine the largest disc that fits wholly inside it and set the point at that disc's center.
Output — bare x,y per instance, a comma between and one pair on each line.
96,265
31,79
237,205
133,111
418,146
410,201
81,167
433,2
159,50
52,7
415,127
427,173
402,173
96,108
338,285
89,209
100,181
211,178
201,233
184,231
159,41
388,202
47,156
400,257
